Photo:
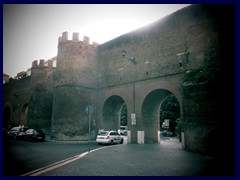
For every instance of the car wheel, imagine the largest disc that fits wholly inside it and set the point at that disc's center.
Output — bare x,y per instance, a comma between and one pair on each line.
121,142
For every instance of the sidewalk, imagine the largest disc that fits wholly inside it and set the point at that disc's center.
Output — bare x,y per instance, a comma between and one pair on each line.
164,159
47,138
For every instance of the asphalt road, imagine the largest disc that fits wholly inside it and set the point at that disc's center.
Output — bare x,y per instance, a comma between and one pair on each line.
164,159
21,157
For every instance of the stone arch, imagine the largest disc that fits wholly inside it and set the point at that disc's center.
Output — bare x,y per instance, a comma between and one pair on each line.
24,115
111,112
150,113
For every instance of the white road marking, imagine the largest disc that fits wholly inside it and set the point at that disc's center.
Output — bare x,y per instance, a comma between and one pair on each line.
58,164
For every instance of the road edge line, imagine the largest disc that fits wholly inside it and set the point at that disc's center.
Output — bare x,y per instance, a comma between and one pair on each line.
58,164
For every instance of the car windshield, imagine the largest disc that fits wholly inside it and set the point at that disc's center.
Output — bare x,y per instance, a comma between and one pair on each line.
29,131
103,133
15,129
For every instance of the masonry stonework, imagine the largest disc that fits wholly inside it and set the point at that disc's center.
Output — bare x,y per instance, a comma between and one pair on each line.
139,69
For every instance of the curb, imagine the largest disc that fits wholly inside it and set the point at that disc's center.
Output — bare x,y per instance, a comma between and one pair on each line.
47,139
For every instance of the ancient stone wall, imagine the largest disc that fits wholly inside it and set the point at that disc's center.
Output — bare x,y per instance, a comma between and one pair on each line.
17,95
191,39
180,41
205,88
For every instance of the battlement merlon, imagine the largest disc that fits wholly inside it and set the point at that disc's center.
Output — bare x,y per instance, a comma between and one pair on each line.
86,40
35,63
42,63
75,38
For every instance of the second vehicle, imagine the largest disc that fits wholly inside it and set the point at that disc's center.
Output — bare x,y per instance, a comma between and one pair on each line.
34,135
109,137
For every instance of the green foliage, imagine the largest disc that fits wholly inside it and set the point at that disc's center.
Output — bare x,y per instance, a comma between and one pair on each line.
170,109
123,121
201,75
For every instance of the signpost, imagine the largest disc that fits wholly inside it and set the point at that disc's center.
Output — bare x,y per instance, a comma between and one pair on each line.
166,123
89,110
133,119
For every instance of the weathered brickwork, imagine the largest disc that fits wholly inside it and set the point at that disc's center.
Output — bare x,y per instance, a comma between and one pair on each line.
15,100
139,69
75,85
40,104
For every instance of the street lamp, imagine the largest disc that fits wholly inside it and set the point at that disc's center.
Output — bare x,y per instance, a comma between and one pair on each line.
123,53
181,56
134,62
131,58
89,110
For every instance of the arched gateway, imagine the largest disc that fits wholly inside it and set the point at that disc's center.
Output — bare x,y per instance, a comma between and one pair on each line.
147,114
151,114
112,113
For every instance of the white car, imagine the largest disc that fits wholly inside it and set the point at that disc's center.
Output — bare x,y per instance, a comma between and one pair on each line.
109,137
17,132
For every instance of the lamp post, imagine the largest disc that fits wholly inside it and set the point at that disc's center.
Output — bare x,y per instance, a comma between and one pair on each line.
134,62
133,115
89,111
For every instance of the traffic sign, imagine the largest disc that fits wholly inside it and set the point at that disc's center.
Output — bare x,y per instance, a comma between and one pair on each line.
133,118
89,109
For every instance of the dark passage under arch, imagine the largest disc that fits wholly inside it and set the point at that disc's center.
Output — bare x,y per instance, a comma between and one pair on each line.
112,112
151,114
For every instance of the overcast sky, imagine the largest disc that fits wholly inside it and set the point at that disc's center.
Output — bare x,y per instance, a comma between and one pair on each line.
30,32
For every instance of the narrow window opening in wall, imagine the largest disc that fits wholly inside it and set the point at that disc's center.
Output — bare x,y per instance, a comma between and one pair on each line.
147,73
180,65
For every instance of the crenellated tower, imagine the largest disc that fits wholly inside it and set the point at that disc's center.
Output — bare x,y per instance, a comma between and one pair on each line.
75,84
76,61
40,105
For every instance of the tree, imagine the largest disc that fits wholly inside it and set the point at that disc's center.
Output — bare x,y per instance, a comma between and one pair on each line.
170,109
123,121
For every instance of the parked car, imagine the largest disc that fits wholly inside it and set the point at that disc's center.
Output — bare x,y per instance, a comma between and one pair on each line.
34,135
17,132
109,137
123,130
